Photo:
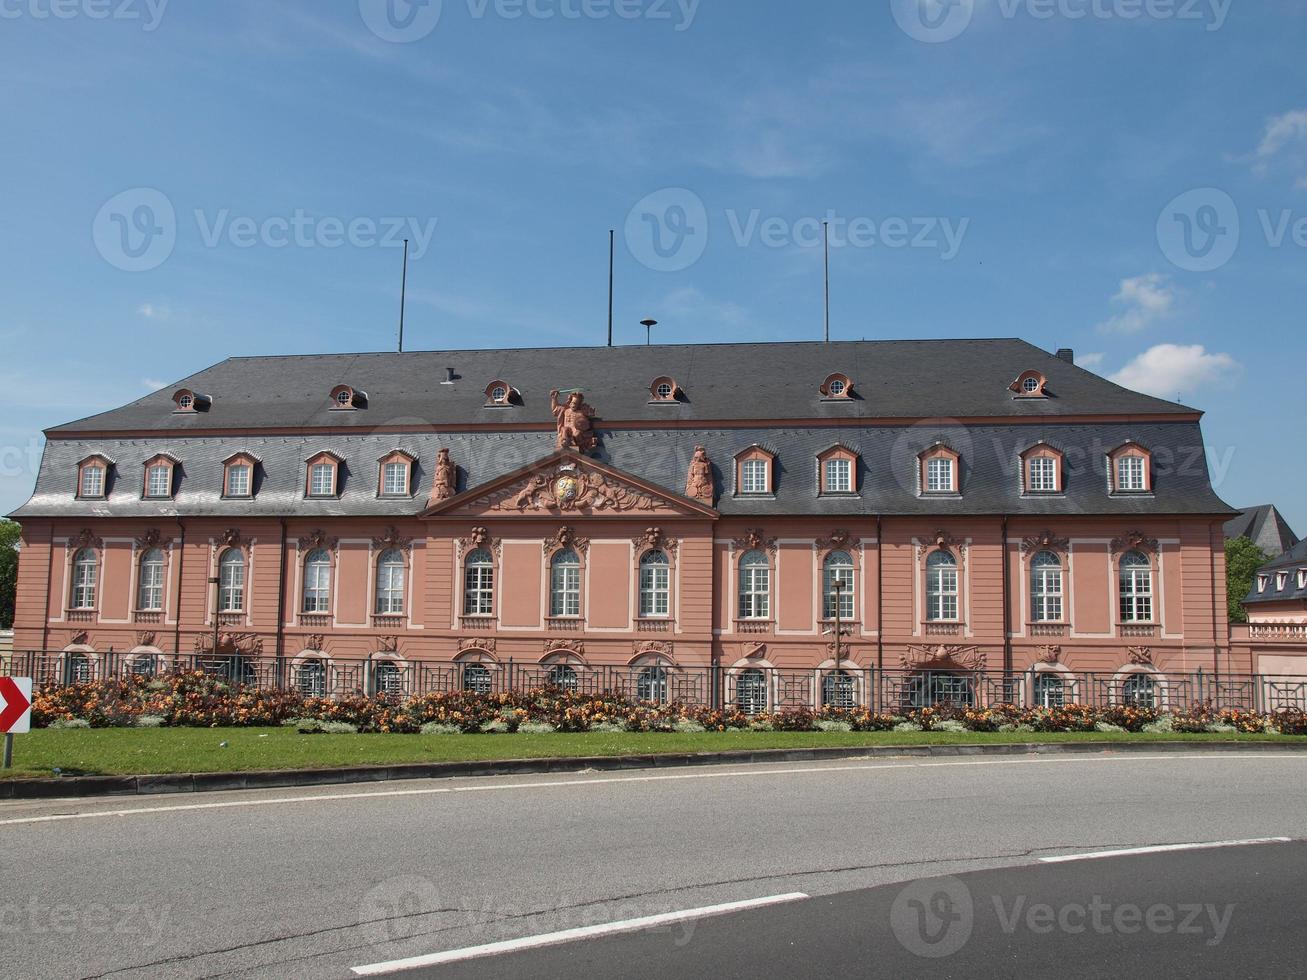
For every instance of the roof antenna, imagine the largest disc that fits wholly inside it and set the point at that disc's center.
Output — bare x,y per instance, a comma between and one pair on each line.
826,232
403,296
610,286
648,330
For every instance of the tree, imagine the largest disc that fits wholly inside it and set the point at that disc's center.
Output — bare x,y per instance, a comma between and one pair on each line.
1242,559
9,532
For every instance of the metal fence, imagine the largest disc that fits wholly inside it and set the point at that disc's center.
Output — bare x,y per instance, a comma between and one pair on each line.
752,689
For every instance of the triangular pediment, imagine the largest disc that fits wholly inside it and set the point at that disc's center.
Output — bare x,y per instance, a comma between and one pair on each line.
567,483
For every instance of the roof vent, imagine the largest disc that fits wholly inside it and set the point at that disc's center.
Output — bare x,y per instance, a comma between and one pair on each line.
449,376
1066,354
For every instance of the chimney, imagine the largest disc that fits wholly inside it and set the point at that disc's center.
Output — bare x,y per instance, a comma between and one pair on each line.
1066,354
449,376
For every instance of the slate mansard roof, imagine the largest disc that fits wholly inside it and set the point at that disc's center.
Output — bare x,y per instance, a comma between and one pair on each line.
908,395
1283,569
1265,527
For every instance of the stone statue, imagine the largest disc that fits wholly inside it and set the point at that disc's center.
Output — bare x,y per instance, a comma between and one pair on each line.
575,430
445,484
699,484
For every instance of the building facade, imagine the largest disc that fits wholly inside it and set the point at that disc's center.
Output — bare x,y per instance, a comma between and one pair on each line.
700,515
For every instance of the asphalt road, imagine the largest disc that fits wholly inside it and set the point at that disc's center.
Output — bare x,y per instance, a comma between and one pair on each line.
313,882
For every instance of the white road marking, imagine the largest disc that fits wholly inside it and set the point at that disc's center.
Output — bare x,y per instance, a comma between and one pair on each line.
1162,849
572,935
604,780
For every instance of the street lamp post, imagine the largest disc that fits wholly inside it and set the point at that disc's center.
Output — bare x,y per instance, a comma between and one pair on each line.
216,582
838,586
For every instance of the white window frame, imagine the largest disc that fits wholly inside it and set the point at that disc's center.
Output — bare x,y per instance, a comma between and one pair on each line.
162,488
1047,588
839,565
1043,474
231,581
398,486
1135,585
86,570
941,475
655,585
150,581
942,592
755,586
239,488
1131,474
755,476
838,475
92,481
316,600
319,488
565,585
479,583
390,576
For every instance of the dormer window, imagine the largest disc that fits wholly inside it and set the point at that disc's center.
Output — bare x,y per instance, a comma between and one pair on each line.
665,390
158,478
1042,466
323,471
500,393
1262,582
238,476
347,399
93,478
837,386
1281,580
1302,578
190,401
838,471
1029,385
1130,469
939,470
753,476
395,475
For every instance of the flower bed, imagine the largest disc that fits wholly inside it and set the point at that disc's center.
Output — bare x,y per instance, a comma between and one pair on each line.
197,700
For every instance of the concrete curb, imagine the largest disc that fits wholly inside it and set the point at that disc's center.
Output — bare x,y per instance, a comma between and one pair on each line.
209,782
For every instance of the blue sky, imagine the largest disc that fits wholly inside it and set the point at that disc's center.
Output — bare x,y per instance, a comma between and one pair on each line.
186,181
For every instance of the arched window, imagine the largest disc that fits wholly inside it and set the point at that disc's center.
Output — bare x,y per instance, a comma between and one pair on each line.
144,665
1046,588
231,581
77,668
317,581
565,584
941,586
85,566
837,690
1139,691
564,678
1136,588
387,678
651,685
751,691
655,585
755,586
149,590
390,583
838,568
476,679
479,584
311,679
1049,690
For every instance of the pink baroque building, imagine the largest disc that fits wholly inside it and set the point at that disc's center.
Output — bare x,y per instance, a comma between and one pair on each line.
981,518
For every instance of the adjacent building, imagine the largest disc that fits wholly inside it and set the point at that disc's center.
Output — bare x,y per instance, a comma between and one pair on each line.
1265,527
744,513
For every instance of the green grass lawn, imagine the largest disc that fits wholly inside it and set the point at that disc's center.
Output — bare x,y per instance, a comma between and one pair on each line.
129,751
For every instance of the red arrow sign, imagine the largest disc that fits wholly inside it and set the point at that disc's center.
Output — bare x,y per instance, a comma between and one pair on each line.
15,705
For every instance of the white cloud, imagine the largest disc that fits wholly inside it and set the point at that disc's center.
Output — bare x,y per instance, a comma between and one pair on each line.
1172,370
1285,137
153,384
1144,300
154,312
1089,360
691,308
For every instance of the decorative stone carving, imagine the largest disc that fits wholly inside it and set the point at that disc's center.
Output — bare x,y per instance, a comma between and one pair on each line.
653,539
962,657
231,537
564,646
1050,655
846,652
753,650
445,484
85,538
392,539
943,540
574,419
1044,541
659,648
79,639
250,644
315,641
570,488
467,644
1134,541
319,539
565,537
839,540
146,638
153,538
699,483
754,539
479,538
1141,656
388,644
